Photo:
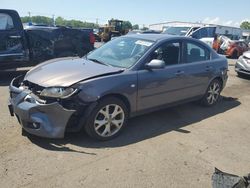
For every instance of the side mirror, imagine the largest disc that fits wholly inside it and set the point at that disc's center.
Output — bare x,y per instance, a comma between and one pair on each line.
155,64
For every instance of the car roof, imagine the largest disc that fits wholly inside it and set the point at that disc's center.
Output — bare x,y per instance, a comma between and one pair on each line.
154,37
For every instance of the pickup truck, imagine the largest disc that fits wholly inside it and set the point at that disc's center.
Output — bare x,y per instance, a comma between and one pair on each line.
34,44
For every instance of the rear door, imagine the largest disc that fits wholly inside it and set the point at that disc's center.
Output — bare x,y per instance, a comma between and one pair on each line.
198,68
12,38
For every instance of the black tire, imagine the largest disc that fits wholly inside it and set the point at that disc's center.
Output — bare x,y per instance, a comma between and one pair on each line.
235,54
90,126
206,99
24,132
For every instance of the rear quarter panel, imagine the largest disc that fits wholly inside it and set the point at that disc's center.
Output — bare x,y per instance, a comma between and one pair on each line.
220,65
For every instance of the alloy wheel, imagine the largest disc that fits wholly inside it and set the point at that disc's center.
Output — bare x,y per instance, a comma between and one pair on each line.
109,120
213,93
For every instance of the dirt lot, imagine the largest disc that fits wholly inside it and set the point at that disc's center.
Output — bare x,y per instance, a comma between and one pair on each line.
176,147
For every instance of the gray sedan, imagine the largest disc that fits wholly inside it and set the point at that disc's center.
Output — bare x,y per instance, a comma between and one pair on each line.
242,66
126,77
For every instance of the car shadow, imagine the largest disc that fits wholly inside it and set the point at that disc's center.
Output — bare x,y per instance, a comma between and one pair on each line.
7,76
144,127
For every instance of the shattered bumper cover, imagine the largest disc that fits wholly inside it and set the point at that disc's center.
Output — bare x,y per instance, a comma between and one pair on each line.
45,120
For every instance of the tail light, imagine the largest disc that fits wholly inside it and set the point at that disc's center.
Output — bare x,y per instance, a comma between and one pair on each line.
92,38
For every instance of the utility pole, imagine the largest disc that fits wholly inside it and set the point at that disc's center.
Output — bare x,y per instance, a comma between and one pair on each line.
53,20
29,13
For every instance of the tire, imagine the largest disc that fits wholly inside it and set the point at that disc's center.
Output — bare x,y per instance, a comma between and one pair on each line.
24,132
212,94
107,119
235,54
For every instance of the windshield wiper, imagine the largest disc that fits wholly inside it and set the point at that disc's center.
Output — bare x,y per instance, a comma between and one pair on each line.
98,61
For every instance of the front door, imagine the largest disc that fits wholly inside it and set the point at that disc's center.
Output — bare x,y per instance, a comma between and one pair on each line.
162,86
12,41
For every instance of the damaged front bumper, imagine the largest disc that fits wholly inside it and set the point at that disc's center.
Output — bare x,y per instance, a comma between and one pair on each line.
45,120
242,66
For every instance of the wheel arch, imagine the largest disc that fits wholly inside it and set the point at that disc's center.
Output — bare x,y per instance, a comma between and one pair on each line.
216,78
123,98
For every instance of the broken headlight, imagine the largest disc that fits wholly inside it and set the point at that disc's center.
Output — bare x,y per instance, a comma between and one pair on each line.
58,92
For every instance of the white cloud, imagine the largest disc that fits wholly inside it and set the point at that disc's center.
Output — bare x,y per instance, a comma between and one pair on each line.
229,22
209,20
236,24
217,20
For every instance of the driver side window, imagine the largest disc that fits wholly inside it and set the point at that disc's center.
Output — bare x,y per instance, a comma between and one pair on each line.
168,52
6,22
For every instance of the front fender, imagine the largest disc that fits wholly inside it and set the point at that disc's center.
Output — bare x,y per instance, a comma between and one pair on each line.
124,84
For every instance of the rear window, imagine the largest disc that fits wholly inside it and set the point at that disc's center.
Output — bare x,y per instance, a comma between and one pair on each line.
196,53
6,22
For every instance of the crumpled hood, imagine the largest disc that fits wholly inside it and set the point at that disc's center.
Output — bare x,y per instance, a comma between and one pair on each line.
65,72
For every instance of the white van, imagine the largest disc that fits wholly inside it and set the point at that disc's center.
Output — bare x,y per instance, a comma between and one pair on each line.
204,32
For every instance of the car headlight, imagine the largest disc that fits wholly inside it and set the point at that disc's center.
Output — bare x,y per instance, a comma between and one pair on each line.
58,92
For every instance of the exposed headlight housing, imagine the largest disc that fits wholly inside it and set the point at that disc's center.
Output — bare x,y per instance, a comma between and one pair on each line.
58,92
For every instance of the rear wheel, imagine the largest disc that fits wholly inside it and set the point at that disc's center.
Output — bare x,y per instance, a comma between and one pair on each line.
107,119
212,94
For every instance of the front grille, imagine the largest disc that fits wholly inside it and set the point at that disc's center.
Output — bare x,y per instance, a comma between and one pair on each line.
36,89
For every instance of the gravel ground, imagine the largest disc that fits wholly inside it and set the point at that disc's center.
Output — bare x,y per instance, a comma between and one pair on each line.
176,147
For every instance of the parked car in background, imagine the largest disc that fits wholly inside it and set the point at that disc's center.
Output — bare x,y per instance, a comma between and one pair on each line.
236,49
201,31
143,32
128,76
39,43
242,66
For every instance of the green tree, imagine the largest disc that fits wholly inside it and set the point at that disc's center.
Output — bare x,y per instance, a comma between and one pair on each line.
42,20
59,21
245,25
25,19
135,27
38,20
127,25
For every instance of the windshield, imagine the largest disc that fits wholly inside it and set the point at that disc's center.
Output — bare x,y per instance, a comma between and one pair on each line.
121,52
181,31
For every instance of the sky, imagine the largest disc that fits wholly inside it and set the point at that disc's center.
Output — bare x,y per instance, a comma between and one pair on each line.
142,12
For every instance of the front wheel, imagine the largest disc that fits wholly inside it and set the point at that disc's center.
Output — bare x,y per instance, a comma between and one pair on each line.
107,119
212,94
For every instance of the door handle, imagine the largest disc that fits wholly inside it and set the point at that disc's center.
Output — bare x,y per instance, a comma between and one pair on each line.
179,73
15,37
